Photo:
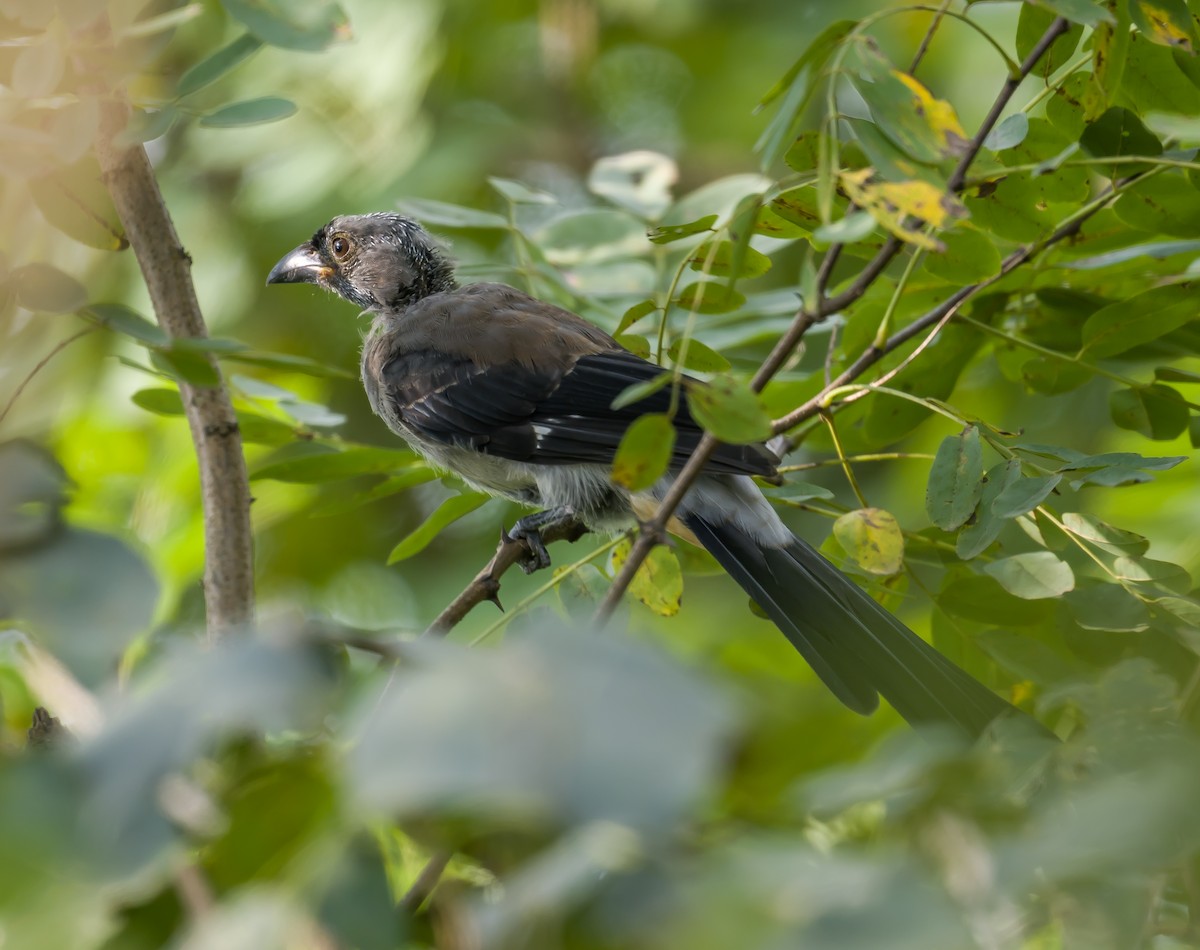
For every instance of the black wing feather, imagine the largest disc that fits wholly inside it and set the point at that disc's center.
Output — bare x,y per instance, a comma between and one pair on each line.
545,417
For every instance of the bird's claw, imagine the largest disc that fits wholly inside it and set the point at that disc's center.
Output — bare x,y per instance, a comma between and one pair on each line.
529,530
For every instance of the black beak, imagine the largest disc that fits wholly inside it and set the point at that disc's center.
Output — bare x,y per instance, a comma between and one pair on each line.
301,266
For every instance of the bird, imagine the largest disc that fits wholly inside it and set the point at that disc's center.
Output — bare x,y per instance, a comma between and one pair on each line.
516,397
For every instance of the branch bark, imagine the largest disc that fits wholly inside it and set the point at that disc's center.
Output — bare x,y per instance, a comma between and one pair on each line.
166,269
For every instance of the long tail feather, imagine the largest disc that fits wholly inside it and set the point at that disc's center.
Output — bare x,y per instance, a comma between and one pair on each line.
855,646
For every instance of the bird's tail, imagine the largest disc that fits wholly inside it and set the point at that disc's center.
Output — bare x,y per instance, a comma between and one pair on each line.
856,647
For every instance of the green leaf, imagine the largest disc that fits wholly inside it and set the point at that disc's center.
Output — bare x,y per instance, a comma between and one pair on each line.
448,512
796,492
772,224
925,128
185,365
290,363
665,234
645,452
635,344
1121,326
1117,468
968,257
1166,22
658,582
955,480
1116,133
331,466
446,215
1156,411
634,314
705,296
74,200
985,527
797,86
699,357
729,410
121,319
873,540
146,126
1111,539
161,402
343,502
249,112
1106,607
1032,23
1164,204
1050,376
801,155
852,228
518,193
43,288
1078,11
639,391
309,25
479,734
1014,208
1024,495
1033,576
213,67
1009,133
720,260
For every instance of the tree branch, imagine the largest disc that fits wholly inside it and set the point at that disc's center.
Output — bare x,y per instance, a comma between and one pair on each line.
654,532
166,269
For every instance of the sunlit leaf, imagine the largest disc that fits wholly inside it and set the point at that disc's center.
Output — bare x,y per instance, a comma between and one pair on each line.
658,582
705,296
1166,22
122,319
697,356
720,260
729,410
639,181
518,193
448,512
873,540
667,233
644,452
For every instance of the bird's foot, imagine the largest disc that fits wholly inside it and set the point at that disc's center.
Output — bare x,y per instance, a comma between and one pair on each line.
529,529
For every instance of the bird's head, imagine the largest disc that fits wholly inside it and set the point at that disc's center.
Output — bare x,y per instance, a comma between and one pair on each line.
379,262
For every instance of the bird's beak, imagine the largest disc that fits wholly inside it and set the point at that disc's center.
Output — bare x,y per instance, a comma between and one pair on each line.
301,266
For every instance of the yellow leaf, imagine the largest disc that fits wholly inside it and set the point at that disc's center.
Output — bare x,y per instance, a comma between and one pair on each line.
658,583
1165,27
872,538
891,203
938,113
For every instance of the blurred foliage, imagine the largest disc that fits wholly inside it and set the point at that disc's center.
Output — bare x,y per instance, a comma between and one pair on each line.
1017,491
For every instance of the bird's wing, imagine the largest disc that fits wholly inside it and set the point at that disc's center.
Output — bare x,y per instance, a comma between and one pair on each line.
547,415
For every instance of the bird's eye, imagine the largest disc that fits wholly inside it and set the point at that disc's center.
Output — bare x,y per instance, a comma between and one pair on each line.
340,246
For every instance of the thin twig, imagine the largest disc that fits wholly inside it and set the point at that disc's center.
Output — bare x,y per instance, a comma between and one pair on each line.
938,16
486,584
426,881
654,532
40,366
